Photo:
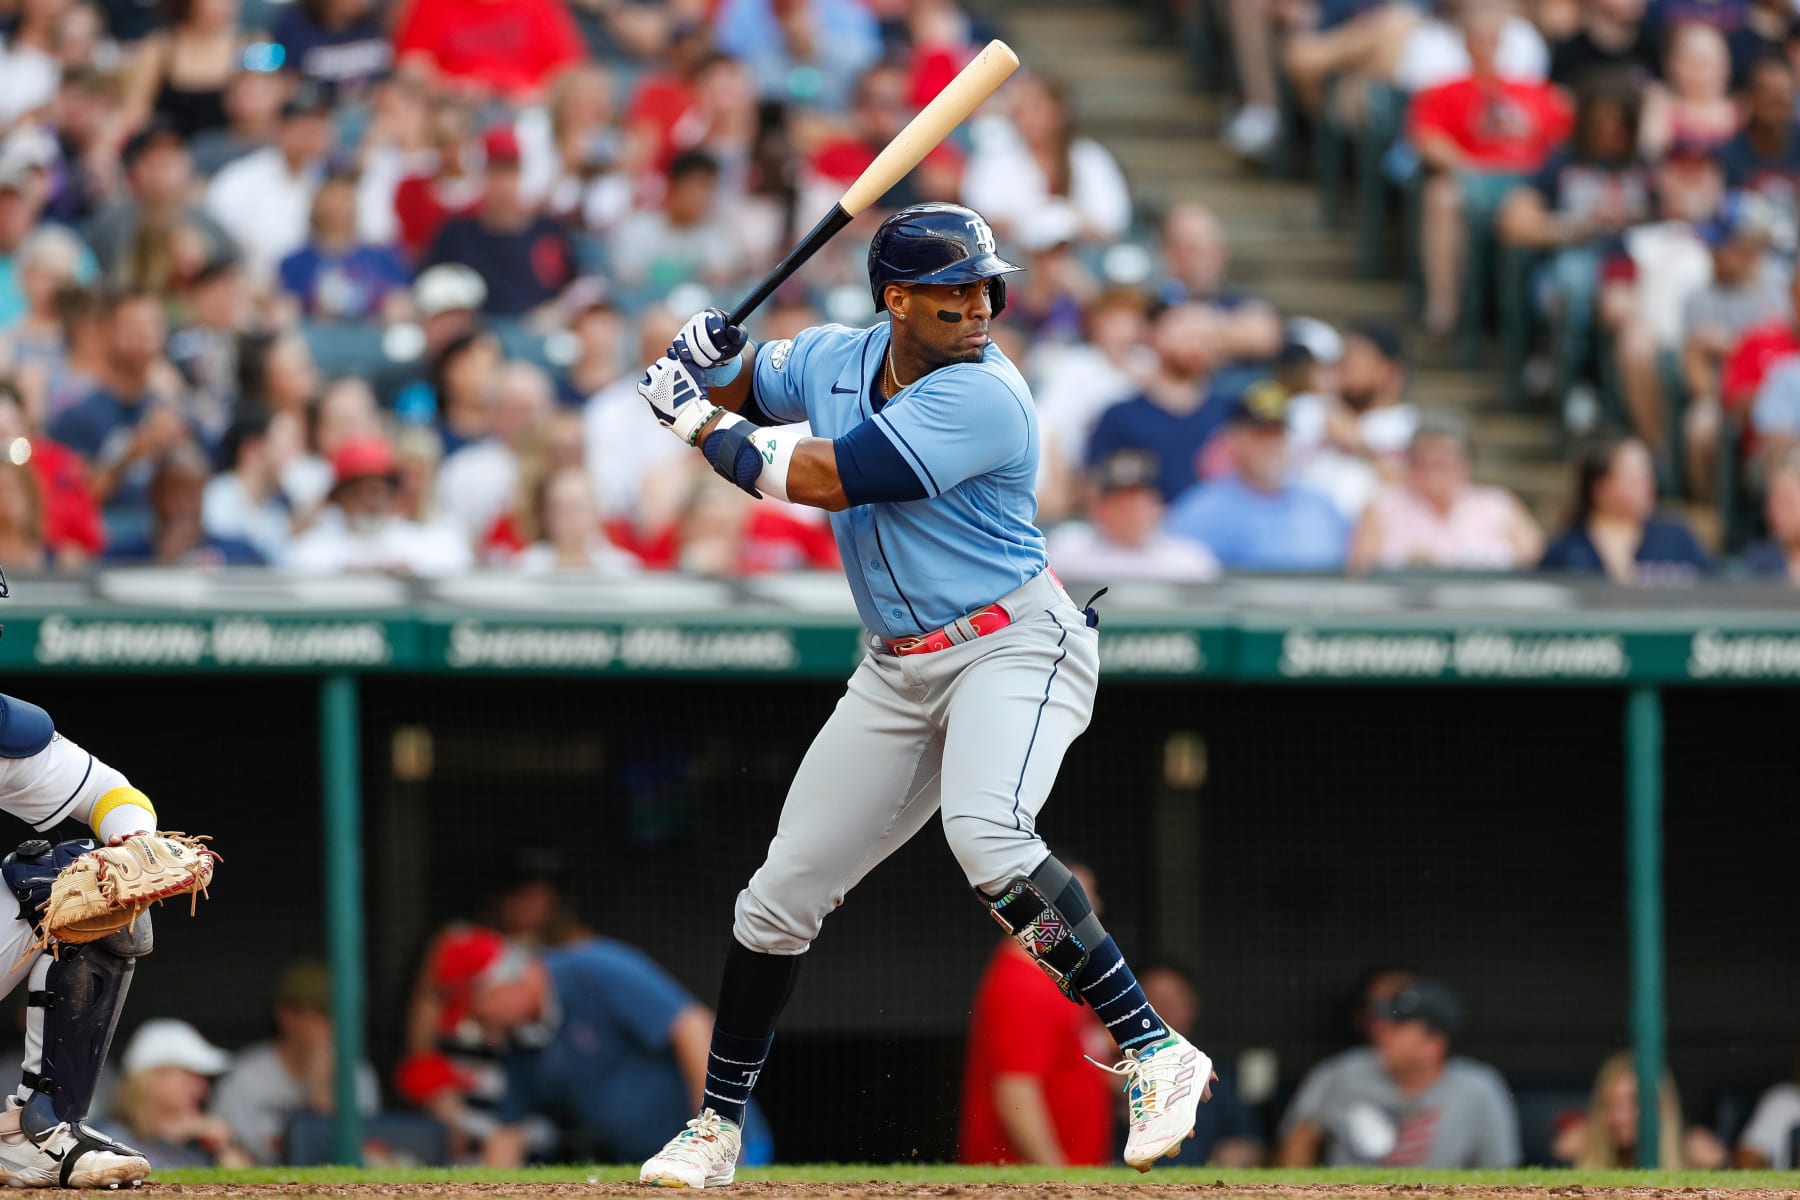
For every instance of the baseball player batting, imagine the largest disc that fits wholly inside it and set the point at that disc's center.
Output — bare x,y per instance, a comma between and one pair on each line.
980,669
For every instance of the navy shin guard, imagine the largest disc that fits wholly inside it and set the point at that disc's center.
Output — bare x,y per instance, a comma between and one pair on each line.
83,995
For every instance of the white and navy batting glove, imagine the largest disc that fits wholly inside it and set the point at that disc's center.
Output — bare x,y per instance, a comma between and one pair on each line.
710,343
669,387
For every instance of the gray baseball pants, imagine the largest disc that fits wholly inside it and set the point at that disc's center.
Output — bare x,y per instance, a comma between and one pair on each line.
977,731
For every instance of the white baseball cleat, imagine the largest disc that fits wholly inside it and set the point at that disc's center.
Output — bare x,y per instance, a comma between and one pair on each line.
71,1156
1164,1086
703,1155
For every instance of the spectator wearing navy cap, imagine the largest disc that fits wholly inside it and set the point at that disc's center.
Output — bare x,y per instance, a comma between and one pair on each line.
1257,518
523,257
1749,288
1408,1102
265,199
1122,537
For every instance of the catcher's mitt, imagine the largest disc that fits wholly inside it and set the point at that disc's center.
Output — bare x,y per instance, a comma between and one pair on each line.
107,889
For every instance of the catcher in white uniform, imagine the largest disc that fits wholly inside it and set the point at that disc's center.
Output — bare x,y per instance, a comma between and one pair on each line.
90,897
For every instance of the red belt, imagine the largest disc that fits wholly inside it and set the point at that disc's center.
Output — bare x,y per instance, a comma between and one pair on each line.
979,623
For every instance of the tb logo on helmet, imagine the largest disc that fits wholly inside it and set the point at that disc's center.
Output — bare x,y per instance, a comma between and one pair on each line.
984,237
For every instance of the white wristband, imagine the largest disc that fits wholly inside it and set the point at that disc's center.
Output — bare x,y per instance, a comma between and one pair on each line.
690,417
777,447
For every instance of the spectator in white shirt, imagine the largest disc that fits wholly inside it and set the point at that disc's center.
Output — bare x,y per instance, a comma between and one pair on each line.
1080,382
244,501
264,200
271,1082
29,70
623,449
477,484
1039,181
570,539
1123,537
1769,1139
359,530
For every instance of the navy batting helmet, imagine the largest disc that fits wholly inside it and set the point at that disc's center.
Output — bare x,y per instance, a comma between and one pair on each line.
936,243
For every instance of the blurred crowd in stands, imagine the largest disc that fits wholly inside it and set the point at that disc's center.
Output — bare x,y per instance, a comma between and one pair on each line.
331,285
530,1038
1617,179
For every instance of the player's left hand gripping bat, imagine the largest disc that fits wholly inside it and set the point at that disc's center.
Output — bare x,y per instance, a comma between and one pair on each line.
948,109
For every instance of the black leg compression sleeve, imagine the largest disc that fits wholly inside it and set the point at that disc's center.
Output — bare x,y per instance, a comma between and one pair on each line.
84,993
1048,914
755,989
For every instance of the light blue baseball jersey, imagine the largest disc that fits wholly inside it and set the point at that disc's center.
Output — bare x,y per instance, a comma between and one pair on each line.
969,431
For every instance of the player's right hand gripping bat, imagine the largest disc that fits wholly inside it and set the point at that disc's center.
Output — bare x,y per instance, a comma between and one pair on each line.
948,109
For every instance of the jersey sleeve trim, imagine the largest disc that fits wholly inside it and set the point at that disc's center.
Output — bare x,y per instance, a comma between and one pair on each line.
912,456
63,809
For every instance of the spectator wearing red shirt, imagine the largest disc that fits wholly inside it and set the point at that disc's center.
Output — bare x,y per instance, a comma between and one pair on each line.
723,532
1757,353
879,110
523,257
1476,136
423,202
72,529
1029,1093
506,49
661,98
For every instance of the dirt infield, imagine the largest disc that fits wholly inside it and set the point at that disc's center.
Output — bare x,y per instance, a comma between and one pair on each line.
875,1189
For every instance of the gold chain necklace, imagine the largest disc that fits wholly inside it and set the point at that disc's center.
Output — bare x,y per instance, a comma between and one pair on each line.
895,379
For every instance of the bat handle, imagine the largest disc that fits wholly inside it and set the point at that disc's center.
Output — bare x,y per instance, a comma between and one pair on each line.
821,233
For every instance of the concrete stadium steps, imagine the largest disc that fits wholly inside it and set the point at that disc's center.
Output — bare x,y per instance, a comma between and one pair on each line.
1133,93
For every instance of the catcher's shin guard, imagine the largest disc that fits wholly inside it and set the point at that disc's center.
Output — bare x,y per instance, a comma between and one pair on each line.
1048,914
70,1021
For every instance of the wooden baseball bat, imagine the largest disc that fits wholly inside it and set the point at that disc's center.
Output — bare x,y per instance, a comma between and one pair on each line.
948,109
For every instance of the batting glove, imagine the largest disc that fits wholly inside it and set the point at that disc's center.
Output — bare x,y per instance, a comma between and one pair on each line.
669,387
709,339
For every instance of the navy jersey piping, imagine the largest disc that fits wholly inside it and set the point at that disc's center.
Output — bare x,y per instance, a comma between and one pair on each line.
916,457
69,803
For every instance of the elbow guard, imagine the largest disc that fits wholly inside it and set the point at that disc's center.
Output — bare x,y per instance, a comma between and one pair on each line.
751,457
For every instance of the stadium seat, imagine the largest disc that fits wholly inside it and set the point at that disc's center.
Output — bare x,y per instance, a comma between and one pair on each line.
1542,1107
1384,115
392,1139
351,348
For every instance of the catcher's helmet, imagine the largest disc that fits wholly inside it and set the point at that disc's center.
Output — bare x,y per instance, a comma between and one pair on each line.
936,243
